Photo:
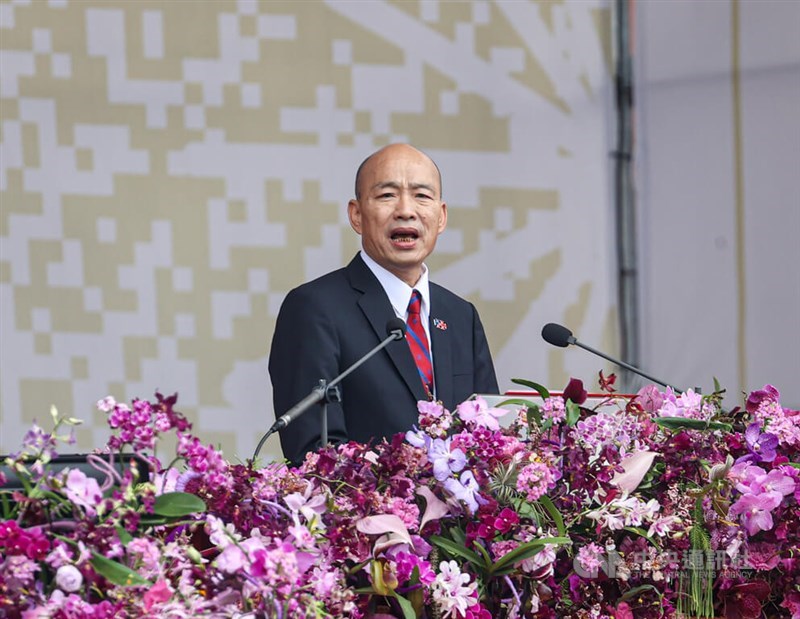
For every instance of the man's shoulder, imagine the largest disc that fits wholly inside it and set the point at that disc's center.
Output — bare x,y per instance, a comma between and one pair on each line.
331,282
442,295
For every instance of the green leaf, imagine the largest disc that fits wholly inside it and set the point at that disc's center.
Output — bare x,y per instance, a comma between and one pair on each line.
117,573
548,504
524,551
680,423
794,464
125,538
573,413
517,402
405,605
636,591
525,509
535,386
486,558
9,507
177,504
149,520
458,536
456,550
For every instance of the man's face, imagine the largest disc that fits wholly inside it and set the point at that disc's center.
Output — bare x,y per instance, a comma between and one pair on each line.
399,212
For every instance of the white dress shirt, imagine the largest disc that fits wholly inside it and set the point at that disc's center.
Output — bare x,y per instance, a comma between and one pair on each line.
399,294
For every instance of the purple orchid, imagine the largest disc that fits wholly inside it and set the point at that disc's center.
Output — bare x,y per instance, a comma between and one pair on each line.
466,489
445,461
762,445
418,438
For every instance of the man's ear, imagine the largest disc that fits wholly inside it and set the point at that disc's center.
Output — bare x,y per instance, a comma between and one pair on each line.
443,218
354,214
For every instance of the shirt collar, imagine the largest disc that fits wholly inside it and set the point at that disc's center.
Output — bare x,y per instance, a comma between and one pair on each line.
397,290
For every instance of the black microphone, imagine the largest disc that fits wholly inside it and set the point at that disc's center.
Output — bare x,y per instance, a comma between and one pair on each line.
559,335
396,330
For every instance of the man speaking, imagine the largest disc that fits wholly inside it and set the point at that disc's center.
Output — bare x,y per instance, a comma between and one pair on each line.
326,325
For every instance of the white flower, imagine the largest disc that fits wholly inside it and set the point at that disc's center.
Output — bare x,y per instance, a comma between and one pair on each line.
221,535
452,590
107,404
69,578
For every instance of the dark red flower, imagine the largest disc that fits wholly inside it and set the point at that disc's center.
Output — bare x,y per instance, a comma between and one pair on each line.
744,601
574,391
607,384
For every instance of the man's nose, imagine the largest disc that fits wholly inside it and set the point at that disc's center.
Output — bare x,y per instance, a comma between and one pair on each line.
405,207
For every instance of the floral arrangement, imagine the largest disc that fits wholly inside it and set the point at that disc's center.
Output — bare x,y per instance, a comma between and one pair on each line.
661,505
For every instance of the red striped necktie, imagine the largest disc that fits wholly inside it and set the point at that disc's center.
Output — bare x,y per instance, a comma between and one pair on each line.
418,342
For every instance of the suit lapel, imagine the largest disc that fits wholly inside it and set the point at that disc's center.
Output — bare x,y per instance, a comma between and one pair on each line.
441,344
377,309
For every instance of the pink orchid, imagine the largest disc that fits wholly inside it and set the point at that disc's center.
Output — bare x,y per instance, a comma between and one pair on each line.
478,412
83,491
755,511
157,594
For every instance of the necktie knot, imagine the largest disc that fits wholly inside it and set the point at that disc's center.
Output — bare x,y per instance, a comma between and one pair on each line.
415,304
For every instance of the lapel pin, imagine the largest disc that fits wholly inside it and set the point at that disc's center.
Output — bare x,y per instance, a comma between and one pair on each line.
440,324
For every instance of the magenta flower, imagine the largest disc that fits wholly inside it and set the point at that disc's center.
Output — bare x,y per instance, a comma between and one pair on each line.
756,398
505,520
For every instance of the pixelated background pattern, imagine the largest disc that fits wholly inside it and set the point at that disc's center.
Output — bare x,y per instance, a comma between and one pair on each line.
170,170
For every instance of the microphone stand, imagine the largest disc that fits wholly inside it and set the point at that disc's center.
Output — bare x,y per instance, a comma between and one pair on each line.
558,335
324,393
621,363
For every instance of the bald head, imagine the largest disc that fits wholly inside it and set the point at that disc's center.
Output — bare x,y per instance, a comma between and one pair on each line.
387,152
398,209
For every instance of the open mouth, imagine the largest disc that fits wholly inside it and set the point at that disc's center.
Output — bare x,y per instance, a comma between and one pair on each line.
405,236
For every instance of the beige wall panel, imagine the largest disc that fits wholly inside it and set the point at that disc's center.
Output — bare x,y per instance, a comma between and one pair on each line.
171,169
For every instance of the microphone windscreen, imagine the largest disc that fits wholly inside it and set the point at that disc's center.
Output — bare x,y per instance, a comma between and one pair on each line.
394,325
557,335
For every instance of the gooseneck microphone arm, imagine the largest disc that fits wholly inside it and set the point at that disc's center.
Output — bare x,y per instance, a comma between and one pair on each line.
558,335
326,392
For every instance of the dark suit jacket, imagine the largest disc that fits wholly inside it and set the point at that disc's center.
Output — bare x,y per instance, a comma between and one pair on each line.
326,325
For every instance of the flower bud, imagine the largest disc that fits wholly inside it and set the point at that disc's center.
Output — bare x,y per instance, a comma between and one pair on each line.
720,470
69,578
